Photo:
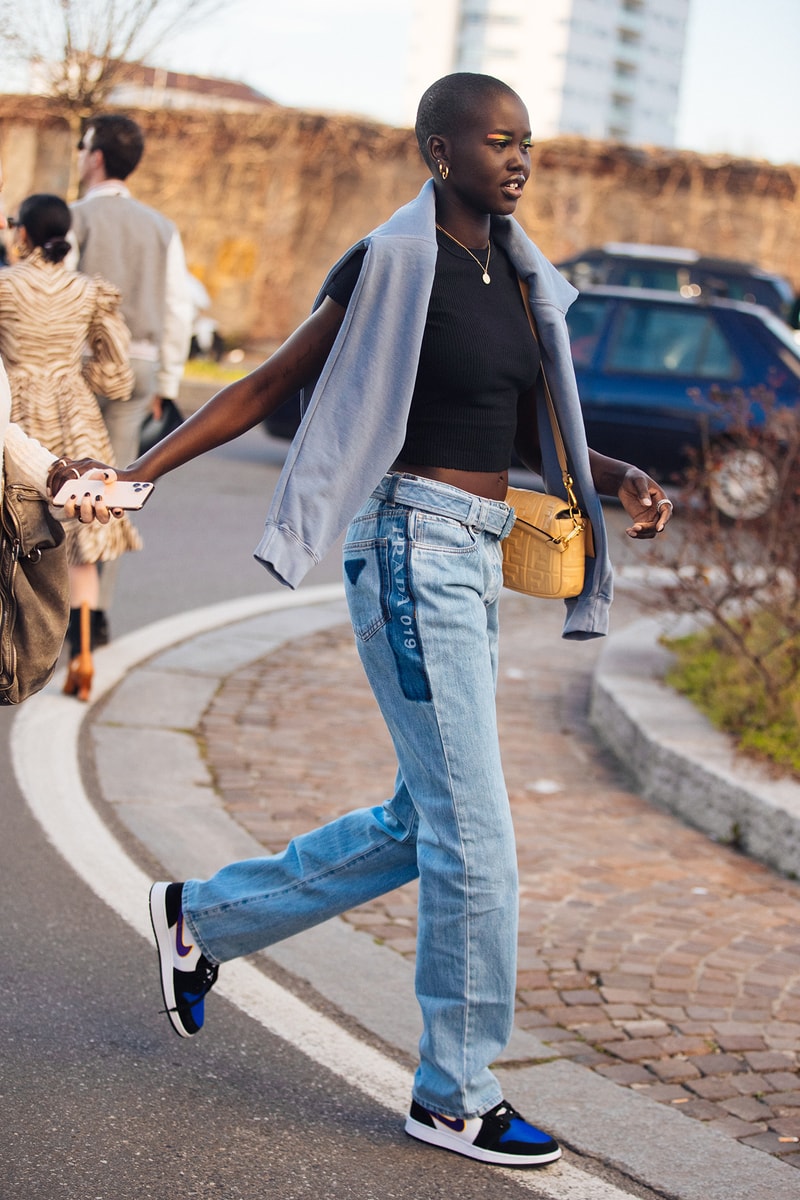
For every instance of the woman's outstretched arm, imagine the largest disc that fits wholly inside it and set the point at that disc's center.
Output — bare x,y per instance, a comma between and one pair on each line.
243,404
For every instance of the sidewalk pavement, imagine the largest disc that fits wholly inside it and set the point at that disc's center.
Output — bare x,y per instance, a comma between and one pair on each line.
658,1005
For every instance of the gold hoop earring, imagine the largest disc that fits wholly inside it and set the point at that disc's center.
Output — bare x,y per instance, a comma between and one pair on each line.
444,170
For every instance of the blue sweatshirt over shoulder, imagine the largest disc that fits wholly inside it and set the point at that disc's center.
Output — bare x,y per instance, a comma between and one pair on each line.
355,422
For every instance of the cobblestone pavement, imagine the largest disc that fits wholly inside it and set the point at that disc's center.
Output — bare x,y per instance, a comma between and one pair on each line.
648,953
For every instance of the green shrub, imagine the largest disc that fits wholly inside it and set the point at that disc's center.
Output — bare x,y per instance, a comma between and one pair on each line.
739,569
207,371
761,713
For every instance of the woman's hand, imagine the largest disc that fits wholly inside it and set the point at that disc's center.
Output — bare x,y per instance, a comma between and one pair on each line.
646,502
86,505
640,496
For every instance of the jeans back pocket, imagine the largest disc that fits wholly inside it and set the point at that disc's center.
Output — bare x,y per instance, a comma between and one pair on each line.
367,581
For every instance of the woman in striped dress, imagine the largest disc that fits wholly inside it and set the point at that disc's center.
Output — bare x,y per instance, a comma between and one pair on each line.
63,339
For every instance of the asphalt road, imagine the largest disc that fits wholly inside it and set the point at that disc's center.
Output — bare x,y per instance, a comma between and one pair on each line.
99,1100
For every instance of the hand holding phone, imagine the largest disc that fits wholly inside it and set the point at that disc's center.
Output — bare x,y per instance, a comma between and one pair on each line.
115,493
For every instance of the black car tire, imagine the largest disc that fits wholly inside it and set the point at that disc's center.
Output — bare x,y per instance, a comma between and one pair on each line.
285,421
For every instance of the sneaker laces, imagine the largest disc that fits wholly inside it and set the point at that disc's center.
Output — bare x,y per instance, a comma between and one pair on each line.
204,977
503,1112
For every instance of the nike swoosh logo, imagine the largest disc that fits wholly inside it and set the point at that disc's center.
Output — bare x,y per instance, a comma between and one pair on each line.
180,945
457,1124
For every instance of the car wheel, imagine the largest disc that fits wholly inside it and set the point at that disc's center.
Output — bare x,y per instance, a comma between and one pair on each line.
284,422
743,484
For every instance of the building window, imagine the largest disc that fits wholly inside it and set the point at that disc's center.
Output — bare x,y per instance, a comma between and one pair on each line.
478,18
628,37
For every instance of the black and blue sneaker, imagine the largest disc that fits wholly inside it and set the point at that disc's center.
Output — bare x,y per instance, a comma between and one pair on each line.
186,975
500,1136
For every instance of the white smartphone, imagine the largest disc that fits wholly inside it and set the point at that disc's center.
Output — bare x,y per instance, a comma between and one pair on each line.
119,493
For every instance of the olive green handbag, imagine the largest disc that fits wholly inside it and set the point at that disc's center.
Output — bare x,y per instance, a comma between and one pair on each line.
34,593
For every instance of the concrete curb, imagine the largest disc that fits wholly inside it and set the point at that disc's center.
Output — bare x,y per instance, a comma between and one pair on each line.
680,762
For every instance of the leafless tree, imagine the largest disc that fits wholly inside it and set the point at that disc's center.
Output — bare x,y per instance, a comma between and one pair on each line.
79,50
735,558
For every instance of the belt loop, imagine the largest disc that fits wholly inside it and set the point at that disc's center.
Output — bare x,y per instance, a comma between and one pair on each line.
484,510
475,517
508,525
393,485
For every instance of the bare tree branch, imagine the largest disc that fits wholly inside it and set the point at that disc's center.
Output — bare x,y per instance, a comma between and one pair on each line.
80,49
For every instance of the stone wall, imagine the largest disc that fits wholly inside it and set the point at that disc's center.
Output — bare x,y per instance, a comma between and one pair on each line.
265,203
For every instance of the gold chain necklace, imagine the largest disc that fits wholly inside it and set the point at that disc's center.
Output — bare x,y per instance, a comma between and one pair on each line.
484,269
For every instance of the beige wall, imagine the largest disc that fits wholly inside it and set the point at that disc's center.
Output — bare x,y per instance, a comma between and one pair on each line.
266,202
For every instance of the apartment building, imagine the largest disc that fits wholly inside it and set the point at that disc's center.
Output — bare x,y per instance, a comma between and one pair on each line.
598,68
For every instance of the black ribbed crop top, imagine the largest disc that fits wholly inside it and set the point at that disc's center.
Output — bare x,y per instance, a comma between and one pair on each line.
478,356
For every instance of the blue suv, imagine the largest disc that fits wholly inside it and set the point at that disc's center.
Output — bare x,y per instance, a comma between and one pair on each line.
651,367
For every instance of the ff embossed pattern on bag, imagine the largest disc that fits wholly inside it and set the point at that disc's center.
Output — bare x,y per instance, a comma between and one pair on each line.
544,554
34,593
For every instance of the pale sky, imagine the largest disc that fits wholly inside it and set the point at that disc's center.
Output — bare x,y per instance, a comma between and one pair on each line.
741,62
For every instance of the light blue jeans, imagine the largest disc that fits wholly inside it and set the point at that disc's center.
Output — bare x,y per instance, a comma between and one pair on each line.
423,573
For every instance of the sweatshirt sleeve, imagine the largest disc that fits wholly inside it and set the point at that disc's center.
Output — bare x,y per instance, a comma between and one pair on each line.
177,330
25,460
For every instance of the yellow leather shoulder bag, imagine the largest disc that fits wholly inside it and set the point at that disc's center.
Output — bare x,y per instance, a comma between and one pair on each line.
544,554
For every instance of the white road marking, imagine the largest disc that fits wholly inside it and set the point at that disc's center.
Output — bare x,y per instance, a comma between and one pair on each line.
51,783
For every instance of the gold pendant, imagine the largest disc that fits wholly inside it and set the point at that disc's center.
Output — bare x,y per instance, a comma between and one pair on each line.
486,278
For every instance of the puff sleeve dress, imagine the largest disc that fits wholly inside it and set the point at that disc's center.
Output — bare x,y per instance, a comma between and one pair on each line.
62,337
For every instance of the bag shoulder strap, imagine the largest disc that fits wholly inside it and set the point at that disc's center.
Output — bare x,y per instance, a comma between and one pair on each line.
551,408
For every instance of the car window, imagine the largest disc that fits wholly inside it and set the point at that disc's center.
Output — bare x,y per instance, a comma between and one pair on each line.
739,287
585,320
662,277
670,340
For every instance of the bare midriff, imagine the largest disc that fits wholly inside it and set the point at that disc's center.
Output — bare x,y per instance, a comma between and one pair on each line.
493,485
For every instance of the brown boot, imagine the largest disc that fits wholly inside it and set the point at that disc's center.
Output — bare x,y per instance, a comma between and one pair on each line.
81,667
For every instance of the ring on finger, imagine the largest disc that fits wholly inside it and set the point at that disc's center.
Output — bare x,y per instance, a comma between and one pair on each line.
661,504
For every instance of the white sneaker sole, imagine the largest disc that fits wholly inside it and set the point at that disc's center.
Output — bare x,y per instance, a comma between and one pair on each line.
451,1141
